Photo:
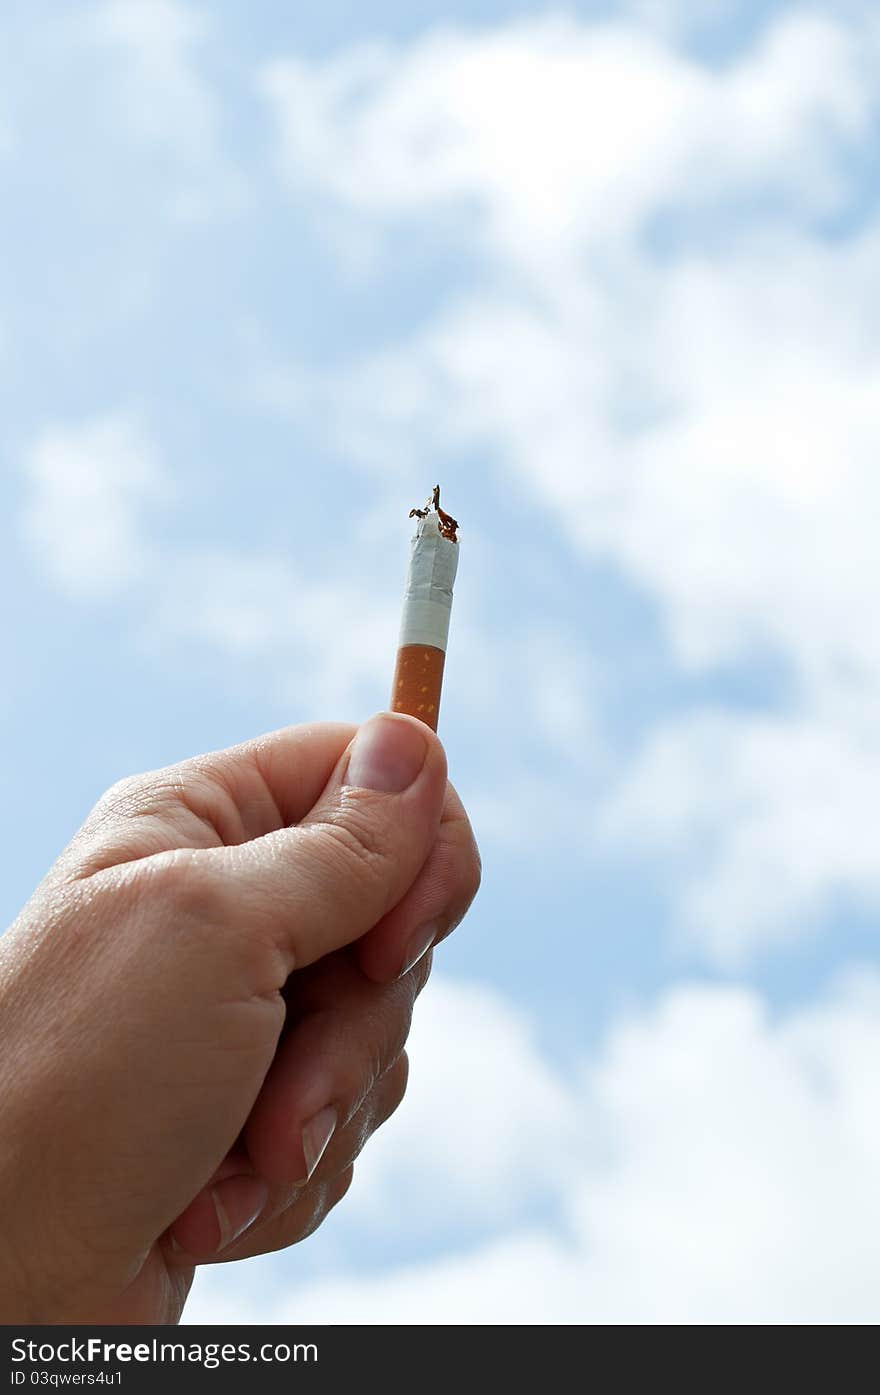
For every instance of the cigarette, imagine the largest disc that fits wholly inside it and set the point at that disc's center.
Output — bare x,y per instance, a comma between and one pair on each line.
427,606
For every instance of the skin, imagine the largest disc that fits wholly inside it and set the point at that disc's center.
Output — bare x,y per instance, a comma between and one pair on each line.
223,953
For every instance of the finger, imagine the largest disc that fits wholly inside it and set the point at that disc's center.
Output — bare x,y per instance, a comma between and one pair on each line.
291,1217
435,903
345,1035
289,1213
353,856
210,1218
222,798
219,1214
295,1223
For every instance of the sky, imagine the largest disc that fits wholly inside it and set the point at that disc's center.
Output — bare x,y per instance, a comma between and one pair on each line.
608,273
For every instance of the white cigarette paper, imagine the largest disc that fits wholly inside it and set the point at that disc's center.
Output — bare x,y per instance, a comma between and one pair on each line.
427,604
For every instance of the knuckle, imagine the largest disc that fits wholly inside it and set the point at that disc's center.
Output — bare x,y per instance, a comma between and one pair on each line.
337,1189
368,1067
461,855
465,874
122,789
378,1106
474,879
187,896
467,879
471,864
421,972
355,842
384,1098
397,1026
326,1195
363,1074
190,882
122,797
397,1080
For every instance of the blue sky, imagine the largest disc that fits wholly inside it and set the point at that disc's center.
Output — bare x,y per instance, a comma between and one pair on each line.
609,273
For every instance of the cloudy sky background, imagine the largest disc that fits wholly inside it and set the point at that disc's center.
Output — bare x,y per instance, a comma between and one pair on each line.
610,273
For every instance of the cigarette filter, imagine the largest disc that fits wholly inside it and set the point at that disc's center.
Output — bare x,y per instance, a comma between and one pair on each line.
427,605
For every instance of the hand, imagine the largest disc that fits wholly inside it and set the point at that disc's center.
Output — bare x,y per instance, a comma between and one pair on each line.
204,1008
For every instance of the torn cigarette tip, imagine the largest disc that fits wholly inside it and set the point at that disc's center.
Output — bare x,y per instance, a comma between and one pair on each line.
427,606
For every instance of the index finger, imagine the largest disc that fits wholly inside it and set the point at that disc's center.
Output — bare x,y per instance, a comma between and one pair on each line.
434,905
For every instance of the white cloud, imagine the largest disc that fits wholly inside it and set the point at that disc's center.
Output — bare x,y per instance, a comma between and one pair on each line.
325,641
151,74
713,1164
499,1104
683,18
157,37
561,135
751,372
315,639
90,489
87,486
719,27
320,640
770,823
703,420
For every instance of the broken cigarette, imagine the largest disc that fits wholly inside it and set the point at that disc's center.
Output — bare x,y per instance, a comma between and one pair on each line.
427,605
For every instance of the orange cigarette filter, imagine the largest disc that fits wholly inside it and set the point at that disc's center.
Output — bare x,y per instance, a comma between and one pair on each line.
427,606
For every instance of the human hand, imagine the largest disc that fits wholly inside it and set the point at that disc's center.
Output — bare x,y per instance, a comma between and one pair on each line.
204,1008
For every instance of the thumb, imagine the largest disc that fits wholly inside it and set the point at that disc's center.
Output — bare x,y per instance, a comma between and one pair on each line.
327,881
